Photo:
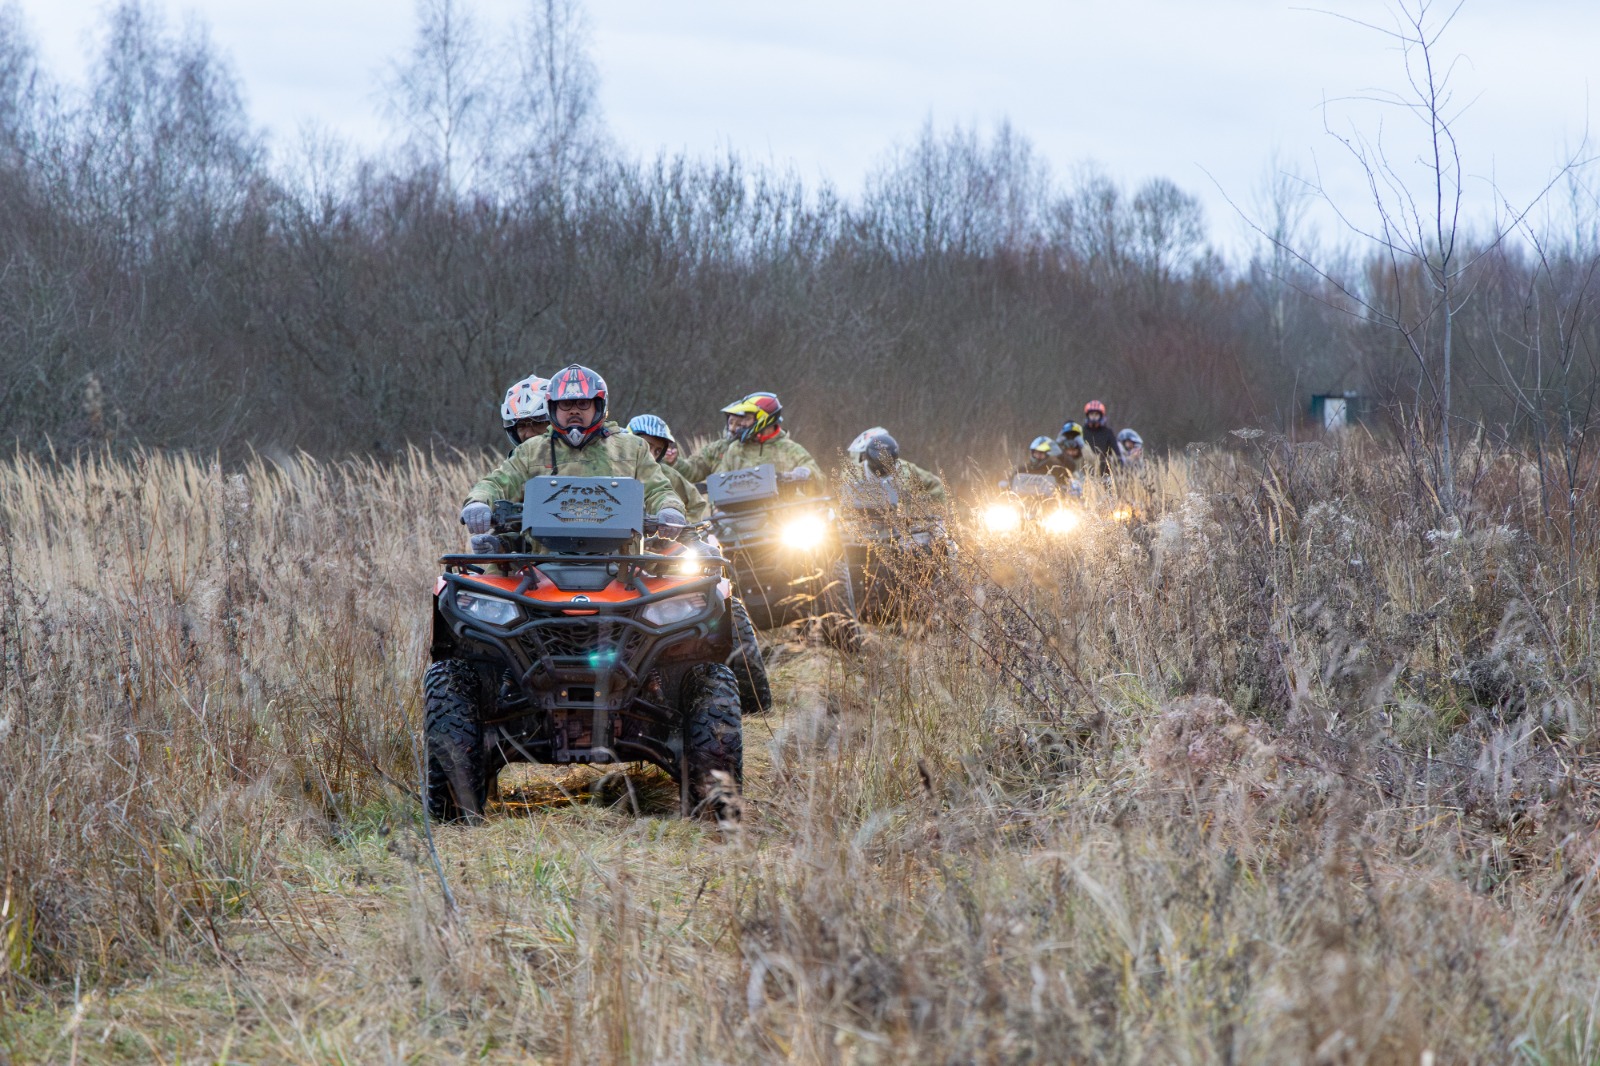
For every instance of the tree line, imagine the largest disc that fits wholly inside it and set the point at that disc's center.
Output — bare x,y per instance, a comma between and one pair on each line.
169,279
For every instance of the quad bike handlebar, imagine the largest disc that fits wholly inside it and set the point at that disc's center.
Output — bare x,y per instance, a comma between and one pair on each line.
505,517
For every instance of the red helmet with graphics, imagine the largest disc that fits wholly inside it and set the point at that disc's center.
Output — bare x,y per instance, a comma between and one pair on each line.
1094,407
768,417
578,383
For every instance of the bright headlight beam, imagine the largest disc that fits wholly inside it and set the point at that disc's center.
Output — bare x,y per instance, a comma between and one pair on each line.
805,532
1002,518
1061,521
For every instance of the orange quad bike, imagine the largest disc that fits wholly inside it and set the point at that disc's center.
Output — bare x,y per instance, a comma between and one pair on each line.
597,648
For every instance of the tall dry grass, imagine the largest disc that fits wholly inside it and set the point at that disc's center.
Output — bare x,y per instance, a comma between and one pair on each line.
1286,769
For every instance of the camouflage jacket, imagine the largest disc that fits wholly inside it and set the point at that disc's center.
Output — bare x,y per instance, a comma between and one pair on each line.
919,480
616,454
724,454
696,507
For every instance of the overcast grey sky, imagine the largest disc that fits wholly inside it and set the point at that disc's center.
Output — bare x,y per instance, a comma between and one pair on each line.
1173,88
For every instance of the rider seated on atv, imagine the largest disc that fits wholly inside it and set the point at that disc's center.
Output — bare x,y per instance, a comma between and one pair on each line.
525,412
755,693
1100,436
655,432
581,444
1045,456
878,454
755,436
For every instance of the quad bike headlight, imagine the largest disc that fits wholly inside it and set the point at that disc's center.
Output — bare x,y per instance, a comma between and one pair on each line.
674,609
690,564
1002,518
1061,521
491,609
1122,514
805,532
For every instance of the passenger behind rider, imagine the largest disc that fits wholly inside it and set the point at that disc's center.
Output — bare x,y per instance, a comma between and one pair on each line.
525,412
1072,456
1132,446
878,455
755,435
1100,436
581,444
655,432
755,692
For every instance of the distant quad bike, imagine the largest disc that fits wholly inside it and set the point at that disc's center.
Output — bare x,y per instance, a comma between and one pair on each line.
1032,503
582,653
896,554
785,553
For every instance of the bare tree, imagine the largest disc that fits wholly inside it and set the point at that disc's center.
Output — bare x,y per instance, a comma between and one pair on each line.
165,137
441,94
952,193
556,129
20,88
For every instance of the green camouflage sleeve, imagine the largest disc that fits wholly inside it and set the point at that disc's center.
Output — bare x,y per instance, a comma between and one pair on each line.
658,491
696,509
506,480
927,481
798,457
698,466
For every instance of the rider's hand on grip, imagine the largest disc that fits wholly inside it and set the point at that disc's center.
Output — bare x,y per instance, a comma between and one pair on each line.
670,523
487,544
475,516
799,473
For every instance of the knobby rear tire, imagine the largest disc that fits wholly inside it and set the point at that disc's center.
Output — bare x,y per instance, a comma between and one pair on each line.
457,786
713,732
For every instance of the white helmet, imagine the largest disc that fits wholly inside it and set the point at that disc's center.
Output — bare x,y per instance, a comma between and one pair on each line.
528,398
858,447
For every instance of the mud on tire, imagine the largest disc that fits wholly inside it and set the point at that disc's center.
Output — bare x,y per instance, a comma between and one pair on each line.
749,670
457,785
713,735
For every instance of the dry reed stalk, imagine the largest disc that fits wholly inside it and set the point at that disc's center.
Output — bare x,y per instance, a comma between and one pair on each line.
1371,840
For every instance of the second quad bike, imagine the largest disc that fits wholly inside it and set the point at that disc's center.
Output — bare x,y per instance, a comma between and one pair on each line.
1032,502
599,647
784,550
896,553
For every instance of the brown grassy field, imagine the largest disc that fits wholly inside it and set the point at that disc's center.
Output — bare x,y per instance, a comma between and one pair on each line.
1284,770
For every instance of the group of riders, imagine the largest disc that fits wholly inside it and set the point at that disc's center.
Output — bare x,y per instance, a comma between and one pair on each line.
563,425
1091,447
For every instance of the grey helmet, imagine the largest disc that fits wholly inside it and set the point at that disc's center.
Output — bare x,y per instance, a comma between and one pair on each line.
858,447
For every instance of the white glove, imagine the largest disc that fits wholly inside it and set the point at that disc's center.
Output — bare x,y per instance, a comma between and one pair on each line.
475,516
799,473
670,523
487,544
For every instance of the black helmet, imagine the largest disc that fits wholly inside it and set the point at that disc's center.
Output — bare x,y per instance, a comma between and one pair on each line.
881,454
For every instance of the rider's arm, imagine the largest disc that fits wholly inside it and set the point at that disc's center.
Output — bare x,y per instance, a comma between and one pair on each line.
505,481
696,467
658,491
928,482
796,456
696,509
